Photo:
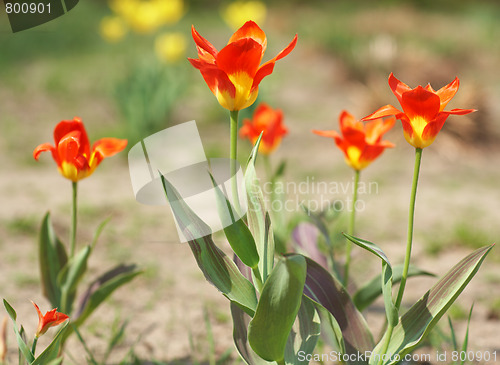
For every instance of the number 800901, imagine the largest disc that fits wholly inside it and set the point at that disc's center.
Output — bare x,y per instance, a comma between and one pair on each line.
25,8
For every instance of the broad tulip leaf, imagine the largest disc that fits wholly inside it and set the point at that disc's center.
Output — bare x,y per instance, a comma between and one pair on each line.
217,268
370,291
238,235
51,352
259,222
304,335
53,258
327,291
421,318
240,337
277,308
23,348
391,311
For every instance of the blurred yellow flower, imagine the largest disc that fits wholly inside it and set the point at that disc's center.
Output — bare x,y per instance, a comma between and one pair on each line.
239,12
146,16
112,28
170,47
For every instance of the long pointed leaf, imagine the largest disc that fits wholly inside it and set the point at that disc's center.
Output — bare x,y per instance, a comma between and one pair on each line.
391,311
52,258
237,232
23,347
259,222
70,276
421,318
277,309
217,268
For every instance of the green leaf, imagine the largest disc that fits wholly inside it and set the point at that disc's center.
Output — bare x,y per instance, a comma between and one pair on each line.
51,352
259,222
278,306
238,234
70,276
98,232
240,337
371,290
218,269
421,318
466,339
327,291
391,311
52,257
23,347
304,335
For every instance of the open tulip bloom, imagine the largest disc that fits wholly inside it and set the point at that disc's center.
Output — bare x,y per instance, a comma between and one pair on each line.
267,121
360,142
234,73
72,153
50,319
423,113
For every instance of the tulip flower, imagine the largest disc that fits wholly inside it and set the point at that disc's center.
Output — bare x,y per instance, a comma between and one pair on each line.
269,121
50,319
423,113
361,143
72,152
234,74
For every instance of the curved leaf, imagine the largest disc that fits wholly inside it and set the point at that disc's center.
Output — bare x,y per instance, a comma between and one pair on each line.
51,352
278,306
391,311
371,290
52,258
23,347
259,222
421,318
217,268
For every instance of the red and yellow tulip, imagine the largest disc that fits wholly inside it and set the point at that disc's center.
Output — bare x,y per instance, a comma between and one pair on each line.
360,142
423,113
267,120
72,152
234,74
50,319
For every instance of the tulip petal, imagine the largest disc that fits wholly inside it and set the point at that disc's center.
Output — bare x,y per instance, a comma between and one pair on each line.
446,93
243,55
432,129
42,148
250,30
267,68
420,103
461,111
205,49
105,147
385,111
331,134
76,125
398,88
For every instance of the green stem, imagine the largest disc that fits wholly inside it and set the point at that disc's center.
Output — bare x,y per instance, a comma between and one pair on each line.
72,237
411,214
351,227
33,347
233,155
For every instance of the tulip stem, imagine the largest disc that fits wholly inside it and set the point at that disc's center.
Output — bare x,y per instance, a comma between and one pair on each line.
411,214
351,227
72,237
233,155
33,347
